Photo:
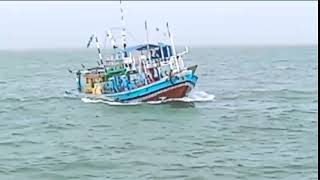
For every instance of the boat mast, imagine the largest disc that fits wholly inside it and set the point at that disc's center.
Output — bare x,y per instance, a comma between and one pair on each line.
98,47
113,42
173,48
147,36
123,29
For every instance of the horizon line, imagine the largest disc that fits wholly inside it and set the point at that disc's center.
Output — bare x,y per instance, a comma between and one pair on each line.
178,46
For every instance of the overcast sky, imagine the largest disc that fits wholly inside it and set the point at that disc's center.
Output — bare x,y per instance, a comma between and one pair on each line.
69,24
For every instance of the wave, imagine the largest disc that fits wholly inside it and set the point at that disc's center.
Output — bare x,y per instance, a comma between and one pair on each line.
284,90
281,60
14,99
196,96
285,68
21,98
112,103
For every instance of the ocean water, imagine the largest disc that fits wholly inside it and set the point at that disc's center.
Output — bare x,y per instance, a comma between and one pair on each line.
253,115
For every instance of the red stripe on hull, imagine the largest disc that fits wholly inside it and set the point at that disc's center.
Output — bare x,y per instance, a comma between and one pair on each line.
178,92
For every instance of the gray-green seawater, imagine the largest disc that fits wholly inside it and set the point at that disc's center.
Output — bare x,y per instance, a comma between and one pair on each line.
262,123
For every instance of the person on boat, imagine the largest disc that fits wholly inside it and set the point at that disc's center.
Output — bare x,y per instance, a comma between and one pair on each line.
166,73
155,74
161,75
130,66
149,80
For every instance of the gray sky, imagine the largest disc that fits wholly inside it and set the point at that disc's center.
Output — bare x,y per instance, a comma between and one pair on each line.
69,24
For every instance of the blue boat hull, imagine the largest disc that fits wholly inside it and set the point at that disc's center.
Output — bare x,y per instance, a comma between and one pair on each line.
176,87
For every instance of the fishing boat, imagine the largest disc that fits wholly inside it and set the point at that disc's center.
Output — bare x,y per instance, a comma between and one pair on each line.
139,73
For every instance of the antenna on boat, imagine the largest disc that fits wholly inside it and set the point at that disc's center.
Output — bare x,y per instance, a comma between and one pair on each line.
173,47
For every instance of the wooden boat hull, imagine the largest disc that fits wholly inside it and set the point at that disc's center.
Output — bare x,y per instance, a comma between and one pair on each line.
177,91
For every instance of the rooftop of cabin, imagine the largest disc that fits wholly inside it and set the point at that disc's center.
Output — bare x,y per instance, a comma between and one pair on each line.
143,47
157,51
